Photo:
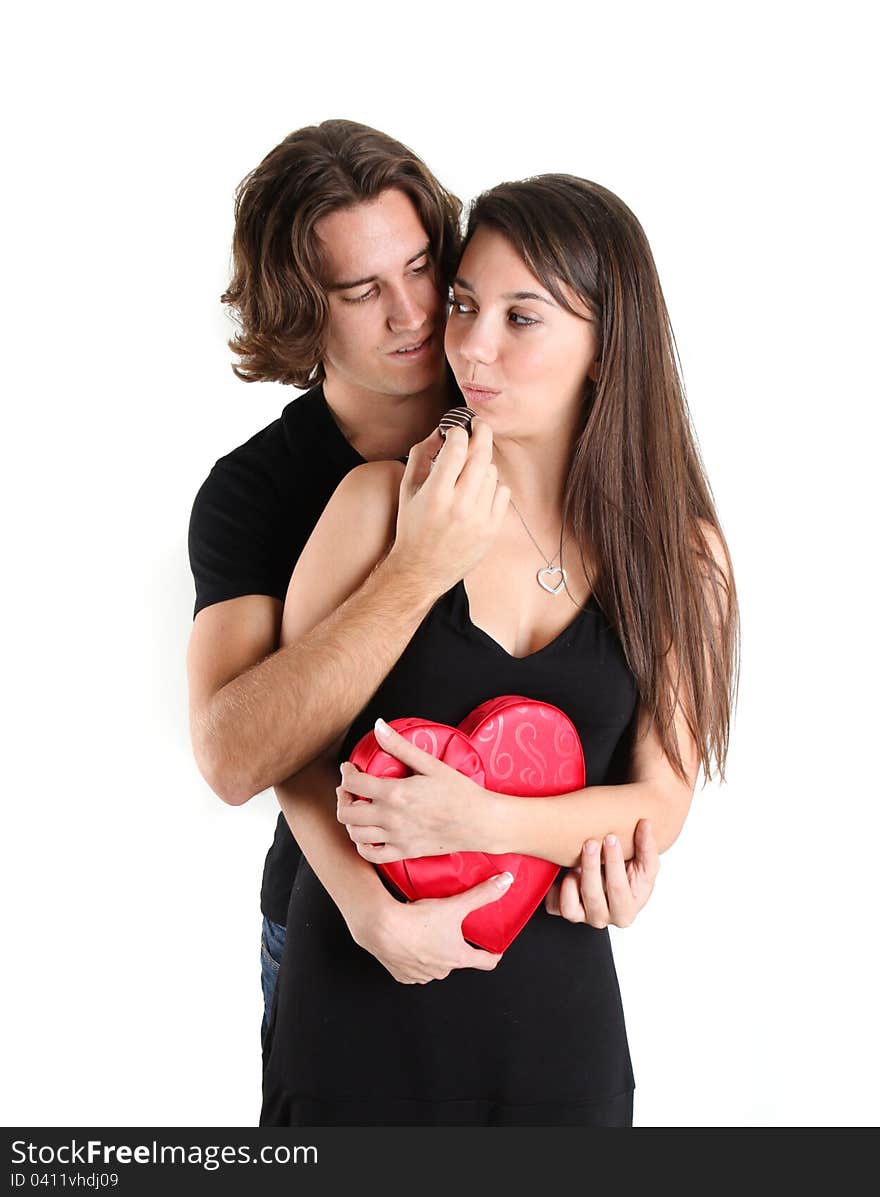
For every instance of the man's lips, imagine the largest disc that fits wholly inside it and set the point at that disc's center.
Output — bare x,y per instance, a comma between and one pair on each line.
412,349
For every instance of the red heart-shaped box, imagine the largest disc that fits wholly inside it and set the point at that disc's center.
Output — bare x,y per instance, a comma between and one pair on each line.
510,745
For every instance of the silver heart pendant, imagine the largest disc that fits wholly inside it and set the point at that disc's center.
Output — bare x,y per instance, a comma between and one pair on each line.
547,571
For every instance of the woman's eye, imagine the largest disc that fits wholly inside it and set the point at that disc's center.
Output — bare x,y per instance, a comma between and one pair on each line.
361,298
459,306
522,321
423,269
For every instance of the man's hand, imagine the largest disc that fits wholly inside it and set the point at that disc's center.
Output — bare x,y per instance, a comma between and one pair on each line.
584,897
422,941
451,507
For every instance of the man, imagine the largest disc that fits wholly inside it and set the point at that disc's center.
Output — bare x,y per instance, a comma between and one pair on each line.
344,248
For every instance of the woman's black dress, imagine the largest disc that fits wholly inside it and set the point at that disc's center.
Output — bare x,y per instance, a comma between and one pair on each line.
541,1039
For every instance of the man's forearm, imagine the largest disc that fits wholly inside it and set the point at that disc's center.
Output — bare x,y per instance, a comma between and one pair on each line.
354,885
268,723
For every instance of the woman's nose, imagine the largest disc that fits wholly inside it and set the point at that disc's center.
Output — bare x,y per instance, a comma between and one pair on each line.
478,344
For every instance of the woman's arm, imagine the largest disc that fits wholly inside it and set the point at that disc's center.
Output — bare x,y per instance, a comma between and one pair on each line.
438,810
654,792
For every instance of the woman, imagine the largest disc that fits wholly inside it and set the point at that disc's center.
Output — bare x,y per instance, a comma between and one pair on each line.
607,592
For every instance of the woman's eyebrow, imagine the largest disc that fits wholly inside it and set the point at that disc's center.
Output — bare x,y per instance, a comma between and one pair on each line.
359,282
514,295
529,295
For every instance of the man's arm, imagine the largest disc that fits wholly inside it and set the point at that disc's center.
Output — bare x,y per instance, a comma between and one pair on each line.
257,715
605,890
416,942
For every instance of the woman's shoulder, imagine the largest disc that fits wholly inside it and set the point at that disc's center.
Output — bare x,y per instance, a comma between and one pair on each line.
354,532
374,475
362,513
376,483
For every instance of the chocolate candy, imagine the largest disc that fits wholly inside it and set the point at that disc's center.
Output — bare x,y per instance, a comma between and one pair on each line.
457,417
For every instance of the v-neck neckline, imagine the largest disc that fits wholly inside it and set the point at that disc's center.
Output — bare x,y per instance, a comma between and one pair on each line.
590,606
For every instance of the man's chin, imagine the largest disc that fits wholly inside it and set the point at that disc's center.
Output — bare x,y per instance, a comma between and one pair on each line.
416,382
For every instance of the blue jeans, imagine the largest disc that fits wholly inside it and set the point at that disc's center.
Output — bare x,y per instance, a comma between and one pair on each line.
271,947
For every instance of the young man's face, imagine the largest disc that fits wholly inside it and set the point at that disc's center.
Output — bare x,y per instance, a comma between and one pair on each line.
387,316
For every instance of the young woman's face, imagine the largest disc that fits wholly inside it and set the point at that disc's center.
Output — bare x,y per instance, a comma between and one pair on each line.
521,360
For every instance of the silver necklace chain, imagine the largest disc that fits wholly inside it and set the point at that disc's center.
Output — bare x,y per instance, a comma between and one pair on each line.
550,568
558,552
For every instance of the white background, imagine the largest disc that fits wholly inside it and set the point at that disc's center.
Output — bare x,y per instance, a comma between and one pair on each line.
743,140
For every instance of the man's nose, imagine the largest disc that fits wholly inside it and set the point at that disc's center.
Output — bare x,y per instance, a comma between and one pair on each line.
406,313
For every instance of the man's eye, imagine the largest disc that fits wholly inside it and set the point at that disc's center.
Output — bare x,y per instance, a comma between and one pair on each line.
423,269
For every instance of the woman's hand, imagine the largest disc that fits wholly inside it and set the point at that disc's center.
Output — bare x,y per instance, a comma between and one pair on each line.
584,897
435,811
422,941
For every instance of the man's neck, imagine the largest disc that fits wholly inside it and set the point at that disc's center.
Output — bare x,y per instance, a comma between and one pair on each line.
381,427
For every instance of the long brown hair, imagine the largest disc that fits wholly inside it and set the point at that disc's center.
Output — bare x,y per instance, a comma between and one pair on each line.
637,493
276,291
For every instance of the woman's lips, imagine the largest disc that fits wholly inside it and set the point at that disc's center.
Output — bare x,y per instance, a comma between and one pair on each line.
477,393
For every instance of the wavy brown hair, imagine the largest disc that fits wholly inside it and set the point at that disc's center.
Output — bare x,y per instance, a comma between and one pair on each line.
637,493
276,292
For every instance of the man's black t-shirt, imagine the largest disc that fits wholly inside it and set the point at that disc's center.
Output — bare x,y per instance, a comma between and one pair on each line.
250,521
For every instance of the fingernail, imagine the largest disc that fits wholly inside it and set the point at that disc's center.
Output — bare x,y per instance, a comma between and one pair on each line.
577,870
610,840
382,728
503,880
592,848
